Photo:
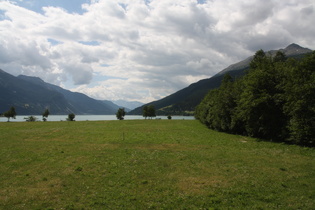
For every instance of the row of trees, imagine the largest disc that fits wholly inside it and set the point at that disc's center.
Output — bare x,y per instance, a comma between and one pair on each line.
148,111
11,113
275,100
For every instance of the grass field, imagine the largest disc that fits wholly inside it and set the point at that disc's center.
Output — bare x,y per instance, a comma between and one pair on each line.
148,164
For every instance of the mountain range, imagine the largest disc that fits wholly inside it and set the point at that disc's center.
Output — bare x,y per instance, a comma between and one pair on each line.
31,96
185,100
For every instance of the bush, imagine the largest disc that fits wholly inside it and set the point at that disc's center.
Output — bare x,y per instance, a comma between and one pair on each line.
30,119
71,117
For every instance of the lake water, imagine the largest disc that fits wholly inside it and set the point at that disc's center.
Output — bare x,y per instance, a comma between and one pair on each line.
20,118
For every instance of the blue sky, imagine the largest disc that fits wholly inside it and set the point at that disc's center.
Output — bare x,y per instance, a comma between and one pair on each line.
143,50
72,6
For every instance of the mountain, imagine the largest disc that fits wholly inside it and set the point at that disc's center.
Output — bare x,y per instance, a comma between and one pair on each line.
128,104
111,104
185,100
31,96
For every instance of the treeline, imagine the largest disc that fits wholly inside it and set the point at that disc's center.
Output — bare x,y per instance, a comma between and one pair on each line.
275,101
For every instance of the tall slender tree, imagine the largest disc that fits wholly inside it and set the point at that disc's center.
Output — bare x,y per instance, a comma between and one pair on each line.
120,114
45,115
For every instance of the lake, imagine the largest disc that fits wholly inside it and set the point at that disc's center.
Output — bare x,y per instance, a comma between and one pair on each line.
20,118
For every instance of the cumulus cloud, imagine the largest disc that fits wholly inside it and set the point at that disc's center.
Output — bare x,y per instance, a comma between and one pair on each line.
145,50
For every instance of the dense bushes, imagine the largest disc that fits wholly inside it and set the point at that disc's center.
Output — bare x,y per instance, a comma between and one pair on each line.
275,100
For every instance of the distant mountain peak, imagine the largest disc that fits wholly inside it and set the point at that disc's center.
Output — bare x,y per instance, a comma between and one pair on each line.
292,49
128,104
295,49
293,46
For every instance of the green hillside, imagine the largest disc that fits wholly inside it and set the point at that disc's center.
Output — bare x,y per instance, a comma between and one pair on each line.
148,164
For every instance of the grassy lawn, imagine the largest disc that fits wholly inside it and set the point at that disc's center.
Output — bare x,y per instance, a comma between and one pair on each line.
148,164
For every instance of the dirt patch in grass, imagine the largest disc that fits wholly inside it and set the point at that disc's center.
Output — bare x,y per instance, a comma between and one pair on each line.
200,185
44,190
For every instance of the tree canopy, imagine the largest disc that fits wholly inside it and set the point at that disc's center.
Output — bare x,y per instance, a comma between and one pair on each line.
45,114
120,114
275,100
149,111
10,113
71,117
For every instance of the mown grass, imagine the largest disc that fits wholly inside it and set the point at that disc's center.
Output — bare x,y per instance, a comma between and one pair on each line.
148,164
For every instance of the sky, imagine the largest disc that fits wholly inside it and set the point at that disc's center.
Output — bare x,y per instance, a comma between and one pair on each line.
143,50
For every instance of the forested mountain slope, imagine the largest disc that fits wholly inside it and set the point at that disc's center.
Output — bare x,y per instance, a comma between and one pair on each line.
184,101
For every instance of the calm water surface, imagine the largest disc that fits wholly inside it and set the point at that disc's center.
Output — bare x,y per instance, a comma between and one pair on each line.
20,118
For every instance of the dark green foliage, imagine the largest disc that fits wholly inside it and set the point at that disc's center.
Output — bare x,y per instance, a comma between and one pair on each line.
279,57
45,115
149,111
274,101
71,117
30,119
300,101
120,114
259,108
10,113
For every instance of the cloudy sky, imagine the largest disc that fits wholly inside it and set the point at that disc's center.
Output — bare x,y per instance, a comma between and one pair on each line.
143,50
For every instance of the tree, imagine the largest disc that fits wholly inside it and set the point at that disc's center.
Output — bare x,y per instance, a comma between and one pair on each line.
273,101
280,57
149,111
224,105
217,109
300,101
10,113
45,115
259,107
71,117
120,114
259,60
145,112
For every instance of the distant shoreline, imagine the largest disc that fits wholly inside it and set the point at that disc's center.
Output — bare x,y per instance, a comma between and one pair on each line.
56,118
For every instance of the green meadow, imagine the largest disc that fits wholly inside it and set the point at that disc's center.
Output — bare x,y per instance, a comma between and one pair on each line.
148,164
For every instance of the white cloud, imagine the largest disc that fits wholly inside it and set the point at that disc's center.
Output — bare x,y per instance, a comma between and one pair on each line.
145,50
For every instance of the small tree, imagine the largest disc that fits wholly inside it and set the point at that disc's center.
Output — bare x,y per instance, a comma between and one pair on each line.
45,115
120,114
169,117
148,111
10,113
71,117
